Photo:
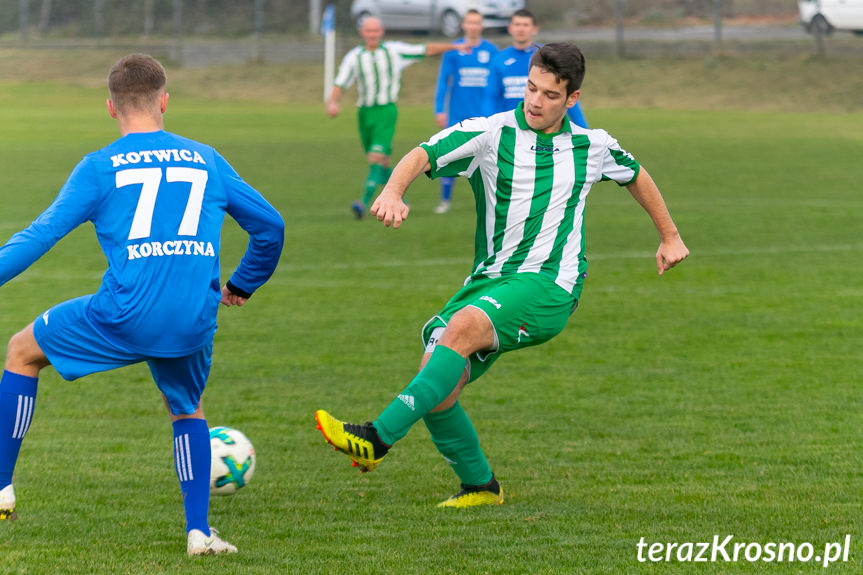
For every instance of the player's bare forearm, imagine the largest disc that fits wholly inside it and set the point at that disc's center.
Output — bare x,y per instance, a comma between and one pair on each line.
671,250
438,48
389,207
333,106
408,169
645,192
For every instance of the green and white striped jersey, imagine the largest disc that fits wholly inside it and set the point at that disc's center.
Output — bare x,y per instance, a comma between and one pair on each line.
530,190
378,73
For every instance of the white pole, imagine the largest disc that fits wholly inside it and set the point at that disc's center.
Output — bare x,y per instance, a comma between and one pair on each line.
329,62
328,29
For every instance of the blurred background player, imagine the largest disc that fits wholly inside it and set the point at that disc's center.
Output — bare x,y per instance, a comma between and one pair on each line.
508,75
461,86
531,170
376,67
157,202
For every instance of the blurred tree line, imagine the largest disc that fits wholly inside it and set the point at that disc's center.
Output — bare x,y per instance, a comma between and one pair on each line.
236,17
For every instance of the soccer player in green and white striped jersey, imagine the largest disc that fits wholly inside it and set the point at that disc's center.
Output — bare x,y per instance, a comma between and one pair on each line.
376,68
531,170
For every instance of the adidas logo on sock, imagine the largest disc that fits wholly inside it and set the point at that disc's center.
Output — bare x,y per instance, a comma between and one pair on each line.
408,400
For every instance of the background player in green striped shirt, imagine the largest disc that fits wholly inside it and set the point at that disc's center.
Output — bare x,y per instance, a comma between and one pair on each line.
531,170
376,68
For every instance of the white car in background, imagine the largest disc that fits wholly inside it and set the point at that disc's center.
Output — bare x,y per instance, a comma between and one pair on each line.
825,16
434,15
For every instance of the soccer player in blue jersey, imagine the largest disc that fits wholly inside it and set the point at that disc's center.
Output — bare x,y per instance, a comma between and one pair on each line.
509,69
461,86
157,202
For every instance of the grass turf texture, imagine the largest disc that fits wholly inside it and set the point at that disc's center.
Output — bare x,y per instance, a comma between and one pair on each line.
721,399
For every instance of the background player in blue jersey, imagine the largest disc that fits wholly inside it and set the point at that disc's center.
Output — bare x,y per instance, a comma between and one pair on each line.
507,78
461,86
157,202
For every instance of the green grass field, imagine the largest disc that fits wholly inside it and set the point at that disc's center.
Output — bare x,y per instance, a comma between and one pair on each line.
720,399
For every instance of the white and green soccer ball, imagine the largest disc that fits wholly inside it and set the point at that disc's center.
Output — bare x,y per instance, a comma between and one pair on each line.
233,460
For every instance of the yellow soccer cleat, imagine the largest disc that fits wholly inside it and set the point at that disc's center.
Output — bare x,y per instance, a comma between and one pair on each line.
359,442
473,495
7,504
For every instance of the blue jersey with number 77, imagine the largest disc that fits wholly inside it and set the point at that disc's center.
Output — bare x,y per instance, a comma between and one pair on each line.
157,202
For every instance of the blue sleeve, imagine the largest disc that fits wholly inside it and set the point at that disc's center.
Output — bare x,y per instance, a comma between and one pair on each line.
73,206
261,221
577,115
493,90
443,82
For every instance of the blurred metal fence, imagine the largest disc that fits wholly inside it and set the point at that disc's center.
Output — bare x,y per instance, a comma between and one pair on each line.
199,32
232,18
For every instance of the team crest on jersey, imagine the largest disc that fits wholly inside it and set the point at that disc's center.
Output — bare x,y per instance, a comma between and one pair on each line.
483,56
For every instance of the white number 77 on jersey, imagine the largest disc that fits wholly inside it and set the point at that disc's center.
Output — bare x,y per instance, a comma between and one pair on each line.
150,178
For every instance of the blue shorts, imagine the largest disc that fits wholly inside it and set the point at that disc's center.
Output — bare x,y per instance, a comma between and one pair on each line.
76,348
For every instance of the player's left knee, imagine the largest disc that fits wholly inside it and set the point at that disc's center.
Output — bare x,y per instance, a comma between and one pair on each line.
468,331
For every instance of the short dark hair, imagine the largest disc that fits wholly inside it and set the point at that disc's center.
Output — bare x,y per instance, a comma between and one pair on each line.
472,11
523,13
564,60
136,81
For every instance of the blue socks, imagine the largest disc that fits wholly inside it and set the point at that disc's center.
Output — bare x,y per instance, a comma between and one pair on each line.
191,446
446,186
17,399
192,462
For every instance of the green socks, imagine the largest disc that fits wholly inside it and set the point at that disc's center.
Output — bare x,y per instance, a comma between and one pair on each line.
377,176
455,437
451,429
428,389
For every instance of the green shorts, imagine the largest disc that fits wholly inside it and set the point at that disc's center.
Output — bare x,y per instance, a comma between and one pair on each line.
377,127
525,309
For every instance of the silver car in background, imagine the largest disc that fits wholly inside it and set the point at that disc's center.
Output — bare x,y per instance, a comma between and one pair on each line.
824,16
442,16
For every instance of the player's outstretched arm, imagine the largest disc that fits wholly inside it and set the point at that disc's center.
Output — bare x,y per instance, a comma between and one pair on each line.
671,250
389,207
72,207
438,48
